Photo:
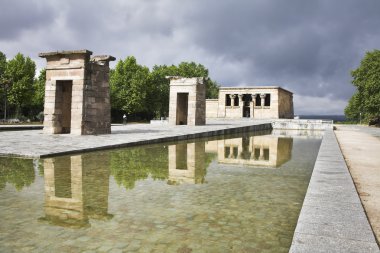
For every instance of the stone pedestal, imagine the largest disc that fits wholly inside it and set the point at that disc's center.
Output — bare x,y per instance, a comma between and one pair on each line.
77,96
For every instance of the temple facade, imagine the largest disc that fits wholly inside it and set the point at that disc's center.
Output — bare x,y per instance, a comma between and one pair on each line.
257,102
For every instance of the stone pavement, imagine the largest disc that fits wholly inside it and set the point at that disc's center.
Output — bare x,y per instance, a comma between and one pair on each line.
37,144
332,218
361,149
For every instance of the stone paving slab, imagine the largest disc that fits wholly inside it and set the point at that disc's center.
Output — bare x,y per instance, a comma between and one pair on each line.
37,144
332,218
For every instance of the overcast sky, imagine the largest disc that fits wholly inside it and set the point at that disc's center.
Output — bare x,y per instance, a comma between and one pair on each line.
305,46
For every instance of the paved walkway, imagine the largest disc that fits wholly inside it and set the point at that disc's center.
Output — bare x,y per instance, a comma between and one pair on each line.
332,218
37,144
361,149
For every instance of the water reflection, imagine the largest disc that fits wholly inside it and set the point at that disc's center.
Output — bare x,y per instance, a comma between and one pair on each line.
76,189
187,163
266,150
17,172
158,197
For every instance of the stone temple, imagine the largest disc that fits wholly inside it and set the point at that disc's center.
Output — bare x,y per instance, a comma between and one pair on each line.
77,95
256,102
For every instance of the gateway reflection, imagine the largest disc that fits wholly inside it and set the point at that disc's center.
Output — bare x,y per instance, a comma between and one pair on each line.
187,163
76,189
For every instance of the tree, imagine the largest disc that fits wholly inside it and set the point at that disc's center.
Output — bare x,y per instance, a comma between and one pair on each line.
159,95
39,92
191,69
20,71
129,86
366,78
136,90
3,81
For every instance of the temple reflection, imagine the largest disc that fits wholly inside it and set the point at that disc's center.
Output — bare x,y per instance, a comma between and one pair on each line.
76,189
187,163
265,150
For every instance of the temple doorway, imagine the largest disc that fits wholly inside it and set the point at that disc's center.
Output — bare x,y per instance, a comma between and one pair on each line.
247,98
182,108
63,99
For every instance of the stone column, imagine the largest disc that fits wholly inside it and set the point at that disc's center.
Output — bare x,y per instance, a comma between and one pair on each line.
262,97
252,105
240,100
232,97
261,153
241,104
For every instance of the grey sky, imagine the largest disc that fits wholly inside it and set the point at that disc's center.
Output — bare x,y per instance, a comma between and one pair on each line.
308,47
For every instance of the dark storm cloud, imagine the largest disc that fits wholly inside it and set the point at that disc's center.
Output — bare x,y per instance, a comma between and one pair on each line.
308,47
304,44
16,17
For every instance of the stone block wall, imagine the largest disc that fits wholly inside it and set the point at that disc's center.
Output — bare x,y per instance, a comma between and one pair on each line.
212,108
286,109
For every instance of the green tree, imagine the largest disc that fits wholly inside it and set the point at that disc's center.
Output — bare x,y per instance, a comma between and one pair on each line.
353,109
366,79
159,95
192,69
20,71
3,81
39,92
129,85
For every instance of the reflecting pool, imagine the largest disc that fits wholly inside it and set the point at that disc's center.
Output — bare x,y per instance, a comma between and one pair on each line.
240,193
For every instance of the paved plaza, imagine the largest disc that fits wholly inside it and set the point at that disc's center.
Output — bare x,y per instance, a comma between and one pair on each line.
37,144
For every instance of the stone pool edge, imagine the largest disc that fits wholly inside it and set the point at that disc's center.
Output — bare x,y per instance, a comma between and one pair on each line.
332,218
208,133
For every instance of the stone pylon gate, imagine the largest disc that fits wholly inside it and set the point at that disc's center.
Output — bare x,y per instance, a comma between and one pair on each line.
187,104
77,96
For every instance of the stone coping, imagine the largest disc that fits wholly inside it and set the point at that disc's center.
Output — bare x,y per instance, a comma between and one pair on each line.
253,87
332,218
65,52
20,127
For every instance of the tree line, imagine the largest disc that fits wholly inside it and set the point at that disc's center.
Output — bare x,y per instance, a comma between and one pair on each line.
136,90
143,93
22,94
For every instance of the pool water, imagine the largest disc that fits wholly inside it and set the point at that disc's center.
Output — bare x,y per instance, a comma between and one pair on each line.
240,193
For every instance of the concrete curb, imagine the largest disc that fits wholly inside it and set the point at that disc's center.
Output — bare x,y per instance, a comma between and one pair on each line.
332,218
20,127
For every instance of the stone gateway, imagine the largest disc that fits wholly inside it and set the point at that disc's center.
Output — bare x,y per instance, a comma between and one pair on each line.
77,95
187,103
